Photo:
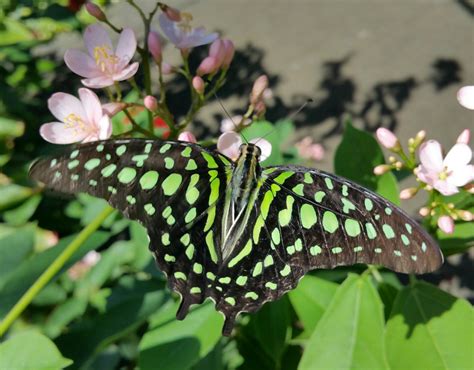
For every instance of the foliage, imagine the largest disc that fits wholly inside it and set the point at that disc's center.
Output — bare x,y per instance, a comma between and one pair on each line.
118,313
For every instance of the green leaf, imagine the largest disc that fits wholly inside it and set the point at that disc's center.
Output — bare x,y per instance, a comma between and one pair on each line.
14,248
429,329
271,327
11,128
310,299
13,194
63,314
26,273
459,241
31,350
357,155
140,239
178,345
52,294
119,320
22,213
350,335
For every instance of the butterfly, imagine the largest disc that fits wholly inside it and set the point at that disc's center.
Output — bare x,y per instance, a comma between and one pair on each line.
234,231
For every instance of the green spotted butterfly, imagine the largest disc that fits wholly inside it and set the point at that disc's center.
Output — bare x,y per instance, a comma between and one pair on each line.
235,232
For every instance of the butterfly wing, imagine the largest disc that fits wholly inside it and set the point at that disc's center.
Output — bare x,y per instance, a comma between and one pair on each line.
172,188
305,219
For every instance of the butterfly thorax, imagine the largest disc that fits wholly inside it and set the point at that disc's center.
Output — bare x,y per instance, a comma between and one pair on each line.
243,187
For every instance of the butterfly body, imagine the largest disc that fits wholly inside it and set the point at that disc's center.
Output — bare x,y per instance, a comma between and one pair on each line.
235,232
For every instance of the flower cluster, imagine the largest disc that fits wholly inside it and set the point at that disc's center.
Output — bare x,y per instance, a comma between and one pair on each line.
435,173
105,66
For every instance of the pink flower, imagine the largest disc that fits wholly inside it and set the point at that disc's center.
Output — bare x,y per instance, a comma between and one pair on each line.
217,50
309,150
229,144
445,175
387,138
465,137
465,97
258,88
95,11
229,124
154,45
187,136
182,35
229,53
103,66
208,65
80,120
150,103
446,224
111,109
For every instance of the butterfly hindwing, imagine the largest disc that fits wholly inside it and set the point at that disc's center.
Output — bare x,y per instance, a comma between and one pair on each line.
173,188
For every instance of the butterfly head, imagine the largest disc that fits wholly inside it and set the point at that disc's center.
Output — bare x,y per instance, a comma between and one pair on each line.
250,151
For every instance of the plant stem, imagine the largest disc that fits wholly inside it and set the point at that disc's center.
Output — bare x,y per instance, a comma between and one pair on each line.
52,270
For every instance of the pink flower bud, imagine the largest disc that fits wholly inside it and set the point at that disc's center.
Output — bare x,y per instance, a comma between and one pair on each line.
217,51
446,224
381,169
198,84
209,65
259,86
154,45
167,68
229,53
424,211
408,193
150,103
387,138
95,11
464,137
172,13
187,136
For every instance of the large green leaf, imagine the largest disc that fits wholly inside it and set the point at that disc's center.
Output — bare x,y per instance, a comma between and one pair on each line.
12,194
14,248
126,310
429,329
23,212
357,155
31,350
350,335
178,345
310,299
26,273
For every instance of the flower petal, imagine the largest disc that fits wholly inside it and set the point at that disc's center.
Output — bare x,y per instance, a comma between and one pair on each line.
445,187
111,109
462,176
91,104
98,82
105,128
96,36
126,46
465,97
59,133
458,156
62,105
127,72
229,144
431,156
169,29
81,63
265,147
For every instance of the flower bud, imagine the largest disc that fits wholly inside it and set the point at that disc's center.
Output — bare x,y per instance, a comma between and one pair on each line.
465,97
465,215
172,13
95,11
446,224
408,193
154,45
198,84
167,68
420,136
187,136
150,103
387,138
209,65
260,108
259,86
229,53
424,211
464,137
381,169
217,51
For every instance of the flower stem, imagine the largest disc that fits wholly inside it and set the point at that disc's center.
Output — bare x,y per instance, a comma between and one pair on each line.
52,270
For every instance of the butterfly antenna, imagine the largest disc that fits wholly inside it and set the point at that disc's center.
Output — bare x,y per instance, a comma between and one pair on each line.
290,117
229,116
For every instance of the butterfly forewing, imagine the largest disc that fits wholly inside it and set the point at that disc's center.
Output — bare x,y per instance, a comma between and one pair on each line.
173,188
